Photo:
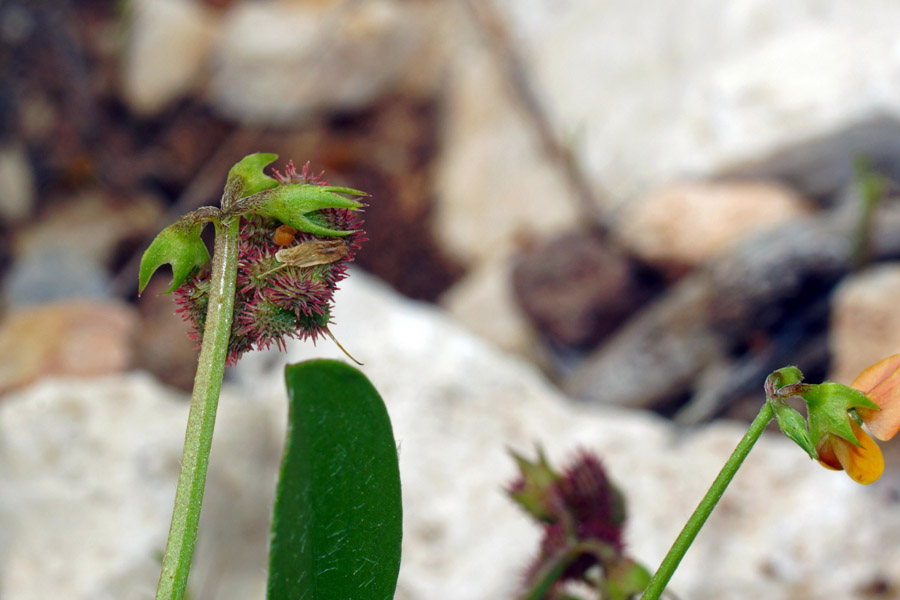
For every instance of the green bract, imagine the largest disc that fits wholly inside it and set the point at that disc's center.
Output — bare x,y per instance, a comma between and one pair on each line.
247,178
793,425
827,405
293,203
179,245
537,479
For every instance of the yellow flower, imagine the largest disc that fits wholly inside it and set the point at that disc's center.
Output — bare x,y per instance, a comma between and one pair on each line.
864,463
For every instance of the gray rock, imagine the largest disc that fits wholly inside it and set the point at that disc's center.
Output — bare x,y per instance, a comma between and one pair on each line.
64,253
785,529
87,494
51,274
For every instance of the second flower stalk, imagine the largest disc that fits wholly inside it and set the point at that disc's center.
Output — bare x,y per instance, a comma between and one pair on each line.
832,433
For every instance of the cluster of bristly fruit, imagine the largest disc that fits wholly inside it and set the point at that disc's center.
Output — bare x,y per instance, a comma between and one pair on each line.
277,297
582,514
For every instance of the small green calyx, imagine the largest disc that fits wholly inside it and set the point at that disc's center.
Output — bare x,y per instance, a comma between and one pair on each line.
179,245
793,425
247,177
827,405
295,204
533,490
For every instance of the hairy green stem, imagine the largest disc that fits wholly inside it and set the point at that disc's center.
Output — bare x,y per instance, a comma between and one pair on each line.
202,418
662,576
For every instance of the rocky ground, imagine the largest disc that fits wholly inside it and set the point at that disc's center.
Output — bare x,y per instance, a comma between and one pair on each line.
585,219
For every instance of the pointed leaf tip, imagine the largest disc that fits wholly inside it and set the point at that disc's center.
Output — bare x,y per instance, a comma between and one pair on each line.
292,204
181,246
343,190
249,172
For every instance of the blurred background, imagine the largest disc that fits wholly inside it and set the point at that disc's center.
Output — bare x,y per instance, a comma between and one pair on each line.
591,224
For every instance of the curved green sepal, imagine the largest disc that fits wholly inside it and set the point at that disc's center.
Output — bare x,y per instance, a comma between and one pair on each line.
179,245
248,174
337,524
535,495
292,203
793,425
828,404
782,377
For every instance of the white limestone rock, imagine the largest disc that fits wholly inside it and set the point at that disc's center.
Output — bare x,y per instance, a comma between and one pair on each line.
484,302
89,471
786,528
494,183
660,90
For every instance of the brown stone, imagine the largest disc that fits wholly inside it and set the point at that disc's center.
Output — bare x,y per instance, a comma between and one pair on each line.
162,346
689,223
81,338
865,323
576,289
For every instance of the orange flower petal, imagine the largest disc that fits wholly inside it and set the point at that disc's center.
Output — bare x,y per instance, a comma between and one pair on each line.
825,450
881,383
863,464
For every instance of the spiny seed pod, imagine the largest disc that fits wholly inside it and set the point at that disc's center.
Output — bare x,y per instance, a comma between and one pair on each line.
280,299
579,505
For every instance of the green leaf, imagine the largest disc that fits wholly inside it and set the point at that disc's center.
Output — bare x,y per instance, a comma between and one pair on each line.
180,245
247,176
337,525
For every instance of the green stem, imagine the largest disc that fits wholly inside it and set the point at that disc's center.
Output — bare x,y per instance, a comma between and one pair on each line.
202,418
661,578
553,570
